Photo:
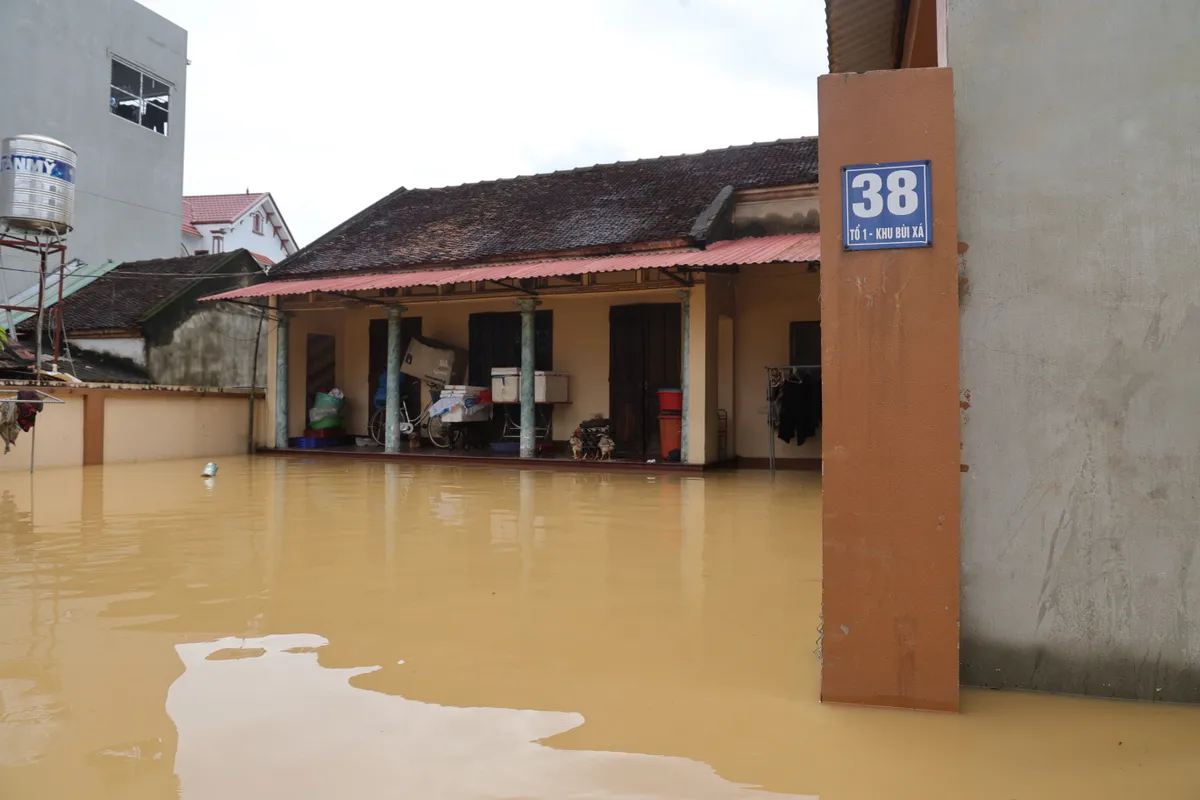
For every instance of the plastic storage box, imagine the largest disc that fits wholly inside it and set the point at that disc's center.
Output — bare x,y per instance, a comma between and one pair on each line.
479,412
548,387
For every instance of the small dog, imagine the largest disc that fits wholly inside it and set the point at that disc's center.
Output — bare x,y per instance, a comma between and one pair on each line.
576,447
607,446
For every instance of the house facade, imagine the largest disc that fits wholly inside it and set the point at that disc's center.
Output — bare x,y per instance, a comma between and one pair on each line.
222,223
686,272
110,80
144,320
1026,460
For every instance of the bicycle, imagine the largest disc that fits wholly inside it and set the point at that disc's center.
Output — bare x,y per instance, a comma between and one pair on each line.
439,434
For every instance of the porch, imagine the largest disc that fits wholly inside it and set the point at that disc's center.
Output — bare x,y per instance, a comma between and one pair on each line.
705,323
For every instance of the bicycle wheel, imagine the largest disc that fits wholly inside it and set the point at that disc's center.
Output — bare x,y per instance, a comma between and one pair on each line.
440,434
377,426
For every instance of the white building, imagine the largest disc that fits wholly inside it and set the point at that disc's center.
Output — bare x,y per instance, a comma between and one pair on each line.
222,223
107,78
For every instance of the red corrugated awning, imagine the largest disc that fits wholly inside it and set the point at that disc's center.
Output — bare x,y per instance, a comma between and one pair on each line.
793,248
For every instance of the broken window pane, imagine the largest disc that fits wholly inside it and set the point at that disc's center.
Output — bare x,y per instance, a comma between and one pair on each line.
125,105
139,98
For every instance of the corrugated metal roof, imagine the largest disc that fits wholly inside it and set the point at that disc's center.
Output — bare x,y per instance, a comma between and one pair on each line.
864,34
77,277
794,248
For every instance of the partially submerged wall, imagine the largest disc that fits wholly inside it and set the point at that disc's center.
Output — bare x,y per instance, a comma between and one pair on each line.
1080,344
104,424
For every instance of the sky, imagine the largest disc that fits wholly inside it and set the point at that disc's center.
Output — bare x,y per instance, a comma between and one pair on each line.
331,105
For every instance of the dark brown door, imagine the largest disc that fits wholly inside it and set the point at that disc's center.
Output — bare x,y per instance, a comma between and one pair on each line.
645,353
494,340
377,358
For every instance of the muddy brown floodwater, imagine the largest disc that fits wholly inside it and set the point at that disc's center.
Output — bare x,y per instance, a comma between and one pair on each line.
360,630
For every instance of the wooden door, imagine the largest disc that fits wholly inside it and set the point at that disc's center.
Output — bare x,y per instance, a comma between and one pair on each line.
377,360
494,340
645,355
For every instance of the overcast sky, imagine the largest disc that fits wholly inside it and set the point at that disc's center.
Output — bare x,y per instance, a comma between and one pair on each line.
331,105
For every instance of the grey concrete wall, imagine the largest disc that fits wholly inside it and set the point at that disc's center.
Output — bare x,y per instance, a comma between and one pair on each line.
213,347
1078,127
55,57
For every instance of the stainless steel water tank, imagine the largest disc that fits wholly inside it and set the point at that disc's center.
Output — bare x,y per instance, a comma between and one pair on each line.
37,184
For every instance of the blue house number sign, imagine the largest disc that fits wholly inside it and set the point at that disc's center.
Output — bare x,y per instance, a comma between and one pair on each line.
886,206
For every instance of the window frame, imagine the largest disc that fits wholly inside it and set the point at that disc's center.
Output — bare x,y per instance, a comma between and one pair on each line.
256,223
218,243
147,99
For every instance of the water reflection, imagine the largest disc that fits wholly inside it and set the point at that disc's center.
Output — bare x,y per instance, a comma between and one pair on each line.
247,730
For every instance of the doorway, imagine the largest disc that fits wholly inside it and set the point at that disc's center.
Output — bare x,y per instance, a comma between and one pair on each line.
645,350
320,374
377,361
494,340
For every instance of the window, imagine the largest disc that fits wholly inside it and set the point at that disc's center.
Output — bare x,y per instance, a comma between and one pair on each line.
256,221
218,244
139,98
804,348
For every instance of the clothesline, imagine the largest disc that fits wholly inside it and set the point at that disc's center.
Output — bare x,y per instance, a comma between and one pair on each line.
773,419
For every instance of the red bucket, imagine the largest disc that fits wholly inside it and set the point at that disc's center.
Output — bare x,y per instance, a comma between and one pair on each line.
670,401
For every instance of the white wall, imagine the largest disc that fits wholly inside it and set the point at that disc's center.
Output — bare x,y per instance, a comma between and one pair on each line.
1079,206
132,349
56,62
240,234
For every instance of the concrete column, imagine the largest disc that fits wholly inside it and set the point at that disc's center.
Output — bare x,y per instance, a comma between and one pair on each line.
685,300
392,436
528,419
281,382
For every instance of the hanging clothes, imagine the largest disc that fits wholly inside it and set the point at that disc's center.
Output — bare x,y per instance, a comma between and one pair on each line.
10,428
799,408
27,411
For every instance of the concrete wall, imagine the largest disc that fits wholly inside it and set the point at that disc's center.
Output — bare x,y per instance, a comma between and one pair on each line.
56,59
214,346
158,427
768,212
97,425
1079,206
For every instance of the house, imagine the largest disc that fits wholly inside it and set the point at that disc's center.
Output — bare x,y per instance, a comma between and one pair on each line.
222,223
109,80
692,272
145,318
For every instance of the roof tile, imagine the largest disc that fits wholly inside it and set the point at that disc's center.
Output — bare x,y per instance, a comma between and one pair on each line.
651,200
209,209
121,300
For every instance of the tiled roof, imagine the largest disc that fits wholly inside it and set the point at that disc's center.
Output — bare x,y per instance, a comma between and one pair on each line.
127,295
608,205
191,229
208,209
260,258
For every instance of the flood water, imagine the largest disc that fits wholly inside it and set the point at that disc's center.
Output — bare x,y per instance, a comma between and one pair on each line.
360,630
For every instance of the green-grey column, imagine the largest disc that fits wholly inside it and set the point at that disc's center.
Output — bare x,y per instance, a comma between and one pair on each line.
281,382
685,301
528,419
392,423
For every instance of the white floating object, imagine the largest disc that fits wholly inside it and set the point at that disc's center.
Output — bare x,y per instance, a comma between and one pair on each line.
210,469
